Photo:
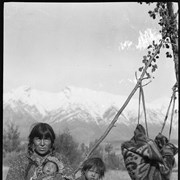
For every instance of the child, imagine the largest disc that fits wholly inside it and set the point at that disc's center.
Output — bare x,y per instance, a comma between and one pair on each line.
93,169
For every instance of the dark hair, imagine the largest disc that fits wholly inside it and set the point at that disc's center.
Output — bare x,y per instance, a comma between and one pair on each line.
94,162
41,130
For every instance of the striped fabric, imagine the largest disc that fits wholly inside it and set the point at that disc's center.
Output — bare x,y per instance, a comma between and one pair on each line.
145,159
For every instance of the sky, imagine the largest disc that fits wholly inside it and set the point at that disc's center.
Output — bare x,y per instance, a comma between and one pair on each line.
100,46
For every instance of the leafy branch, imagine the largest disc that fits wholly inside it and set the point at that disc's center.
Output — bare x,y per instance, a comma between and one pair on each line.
169,32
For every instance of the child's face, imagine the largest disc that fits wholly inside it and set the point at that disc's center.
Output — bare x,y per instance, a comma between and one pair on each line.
92,174
50,168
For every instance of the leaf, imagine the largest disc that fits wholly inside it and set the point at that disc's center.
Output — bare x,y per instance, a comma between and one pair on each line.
167,46
150,46
154,59
144,61
150,12
148,75
140,69
154,67
168,55
144,57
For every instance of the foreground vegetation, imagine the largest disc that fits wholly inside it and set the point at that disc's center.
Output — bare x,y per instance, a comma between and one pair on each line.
111,174
65,144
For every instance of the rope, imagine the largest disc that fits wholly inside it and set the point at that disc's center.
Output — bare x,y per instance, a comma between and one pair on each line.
173,98
167,113
139,104
144,108
141,93
172,114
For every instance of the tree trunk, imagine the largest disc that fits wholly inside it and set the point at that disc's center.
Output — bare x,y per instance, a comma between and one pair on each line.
174,41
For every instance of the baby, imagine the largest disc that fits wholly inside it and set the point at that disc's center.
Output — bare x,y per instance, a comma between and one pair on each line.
49,171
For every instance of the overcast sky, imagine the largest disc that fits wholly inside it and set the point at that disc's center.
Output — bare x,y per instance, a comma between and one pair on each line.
99,46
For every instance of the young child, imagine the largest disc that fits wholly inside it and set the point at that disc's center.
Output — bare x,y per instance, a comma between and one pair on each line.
93,169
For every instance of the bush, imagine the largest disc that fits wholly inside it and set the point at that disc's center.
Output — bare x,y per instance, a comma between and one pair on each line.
98,151
11,139
9,157
66,145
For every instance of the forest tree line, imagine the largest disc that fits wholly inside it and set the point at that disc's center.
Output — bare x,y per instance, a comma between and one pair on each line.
65,144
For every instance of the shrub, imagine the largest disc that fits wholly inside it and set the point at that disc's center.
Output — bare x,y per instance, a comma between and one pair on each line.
11,139
9,157
66,145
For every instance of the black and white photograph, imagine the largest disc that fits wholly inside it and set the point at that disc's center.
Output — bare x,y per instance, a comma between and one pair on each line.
90,90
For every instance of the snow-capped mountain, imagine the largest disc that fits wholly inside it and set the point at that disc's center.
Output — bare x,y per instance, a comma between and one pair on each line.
86,113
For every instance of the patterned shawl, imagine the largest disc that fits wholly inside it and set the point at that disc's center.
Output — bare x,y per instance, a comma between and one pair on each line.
26,166
145,160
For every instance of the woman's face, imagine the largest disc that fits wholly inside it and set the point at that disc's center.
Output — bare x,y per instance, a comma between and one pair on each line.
42,146
92,174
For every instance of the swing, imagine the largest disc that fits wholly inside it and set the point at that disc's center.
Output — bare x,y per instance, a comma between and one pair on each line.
143,158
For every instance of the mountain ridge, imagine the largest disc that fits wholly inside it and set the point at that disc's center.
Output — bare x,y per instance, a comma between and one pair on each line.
80,110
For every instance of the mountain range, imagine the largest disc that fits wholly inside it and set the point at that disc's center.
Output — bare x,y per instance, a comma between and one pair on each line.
85,112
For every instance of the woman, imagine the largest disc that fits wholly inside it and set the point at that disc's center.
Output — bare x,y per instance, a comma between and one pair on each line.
29,165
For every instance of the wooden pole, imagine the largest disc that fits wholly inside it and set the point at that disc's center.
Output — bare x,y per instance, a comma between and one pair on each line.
174,41
122,108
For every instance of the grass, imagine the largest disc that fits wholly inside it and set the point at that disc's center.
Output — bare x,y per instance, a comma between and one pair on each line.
123,175
5,170
115,175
